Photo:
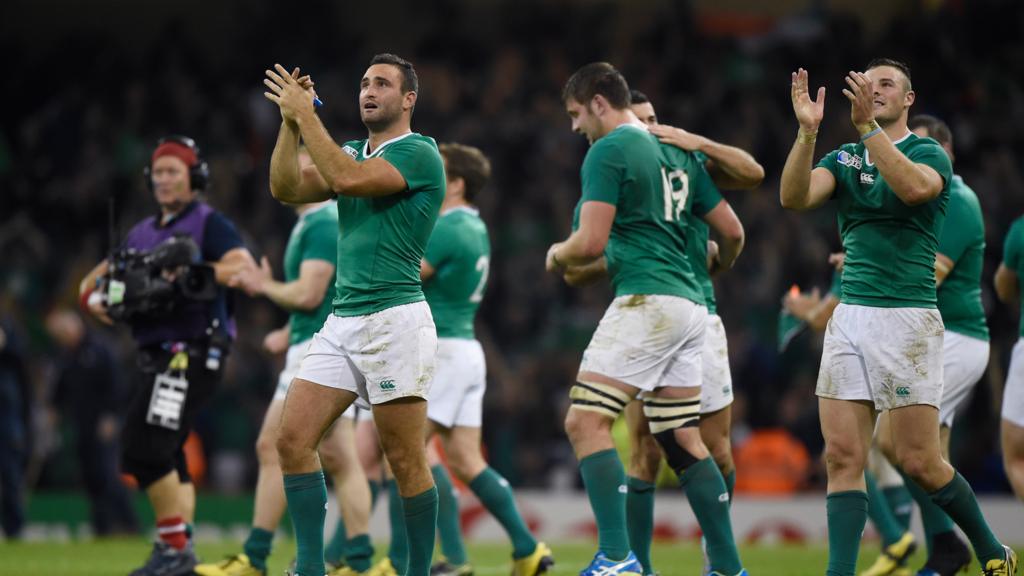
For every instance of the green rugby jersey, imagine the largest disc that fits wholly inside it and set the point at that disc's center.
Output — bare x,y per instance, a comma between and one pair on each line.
314,237
460,253
1013,255
649,184
705,199
382,240
890,247
963,241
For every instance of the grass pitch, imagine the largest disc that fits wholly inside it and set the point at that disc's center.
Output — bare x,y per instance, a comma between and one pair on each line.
120,556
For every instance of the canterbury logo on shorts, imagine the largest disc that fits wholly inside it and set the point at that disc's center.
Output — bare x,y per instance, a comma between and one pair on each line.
168,401
387,385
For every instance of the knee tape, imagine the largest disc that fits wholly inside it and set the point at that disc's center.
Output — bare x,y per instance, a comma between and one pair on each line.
667,414
601,398
677,457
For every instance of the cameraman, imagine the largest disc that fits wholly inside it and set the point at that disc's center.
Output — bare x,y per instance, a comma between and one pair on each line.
180,351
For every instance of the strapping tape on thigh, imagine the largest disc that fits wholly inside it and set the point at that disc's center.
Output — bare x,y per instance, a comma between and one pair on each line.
167,403
600,398
671,413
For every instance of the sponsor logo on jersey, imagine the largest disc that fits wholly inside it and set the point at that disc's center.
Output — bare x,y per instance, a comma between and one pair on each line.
851,160
866,178
350,151
387,385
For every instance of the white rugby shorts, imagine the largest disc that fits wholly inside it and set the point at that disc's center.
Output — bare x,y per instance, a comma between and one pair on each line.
889,356
460,380
1013,394
649,341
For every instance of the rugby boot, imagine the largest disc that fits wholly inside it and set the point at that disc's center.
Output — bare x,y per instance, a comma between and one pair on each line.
602,566
237,565
893,557
1004,567
166,560
382,568
445,568
716,573
538,562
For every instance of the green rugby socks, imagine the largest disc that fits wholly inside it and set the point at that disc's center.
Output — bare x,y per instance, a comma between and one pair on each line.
307,505
605,481
847,514
421,524
709,498
640,520
257,547
880,513
496,495
448,529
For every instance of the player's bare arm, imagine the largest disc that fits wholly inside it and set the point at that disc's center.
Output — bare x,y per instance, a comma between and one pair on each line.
233,262
943,266
304,293
289,182
731,168
587,274
802,188
913,183
730,234
1007,285
587,243
341,173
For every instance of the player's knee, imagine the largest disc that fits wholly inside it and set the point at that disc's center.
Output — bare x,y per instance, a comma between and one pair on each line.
290,447
266,449
581,424
645,458
332,458
918,465
721,452
465,464
844,457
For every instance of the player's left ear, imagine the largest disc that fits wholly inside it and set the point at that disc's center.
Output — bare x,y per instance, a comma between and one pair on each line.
908,98
409,100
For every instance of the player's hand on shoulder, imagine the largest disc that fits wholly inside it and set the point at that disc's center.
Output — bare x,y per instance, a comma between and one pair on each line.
808,112
678,137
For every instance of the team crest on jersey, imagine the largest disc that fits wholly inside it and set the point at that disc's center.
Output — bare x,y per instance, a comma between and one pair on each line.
866,178
851,160
350,151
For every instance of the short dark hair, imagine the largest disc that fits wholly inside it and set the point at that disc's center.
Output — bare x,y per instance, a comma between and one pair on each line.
468,163
936,128
410,82
638,97
597,78
901,66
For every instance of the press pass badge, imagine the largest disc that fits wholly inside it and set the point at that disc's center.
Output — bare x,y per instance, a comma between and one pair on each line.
168,401
115,292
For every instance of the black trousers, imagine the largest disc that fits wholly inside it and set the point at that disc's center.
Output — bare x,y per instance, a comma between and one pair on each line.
158,423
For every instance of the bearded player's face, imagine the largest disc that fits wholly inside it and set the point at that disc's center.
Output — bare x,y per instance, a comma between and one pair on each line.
381,100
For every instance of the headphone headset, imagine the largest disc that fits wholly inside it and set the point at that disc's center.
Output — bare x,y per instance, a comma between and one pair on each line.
198,173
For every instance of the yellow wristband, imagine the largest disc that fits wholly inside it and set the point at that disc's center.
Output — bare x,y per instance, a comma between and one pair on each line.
865,129
806,137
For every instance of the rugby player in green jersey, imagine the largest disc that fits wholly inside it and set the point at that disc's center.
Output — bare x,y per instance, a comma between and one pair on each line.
636,194
307,292
378,345
729,167
883,345
1007,283
454,271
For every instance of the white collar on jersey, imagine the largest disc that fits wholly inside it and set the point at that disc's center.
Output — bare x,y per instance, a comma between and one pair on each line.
366,145
867,153
469,209
314,210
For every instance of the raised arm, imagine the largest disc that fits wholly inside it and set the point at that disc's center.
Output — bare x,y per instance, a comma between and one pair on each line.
912,183
338,172
731,168
801,187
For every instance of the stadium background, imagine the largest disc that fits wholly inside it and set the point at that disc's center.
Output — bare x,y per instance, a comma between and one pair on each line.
90,86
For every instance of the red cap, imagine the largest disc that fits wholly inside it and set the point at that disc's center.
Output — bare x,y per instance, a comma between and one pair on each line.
178,150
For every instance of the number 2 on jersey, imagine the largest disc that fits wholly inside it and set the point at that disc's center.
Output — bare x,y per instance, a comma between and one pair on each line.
483,265
675,199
